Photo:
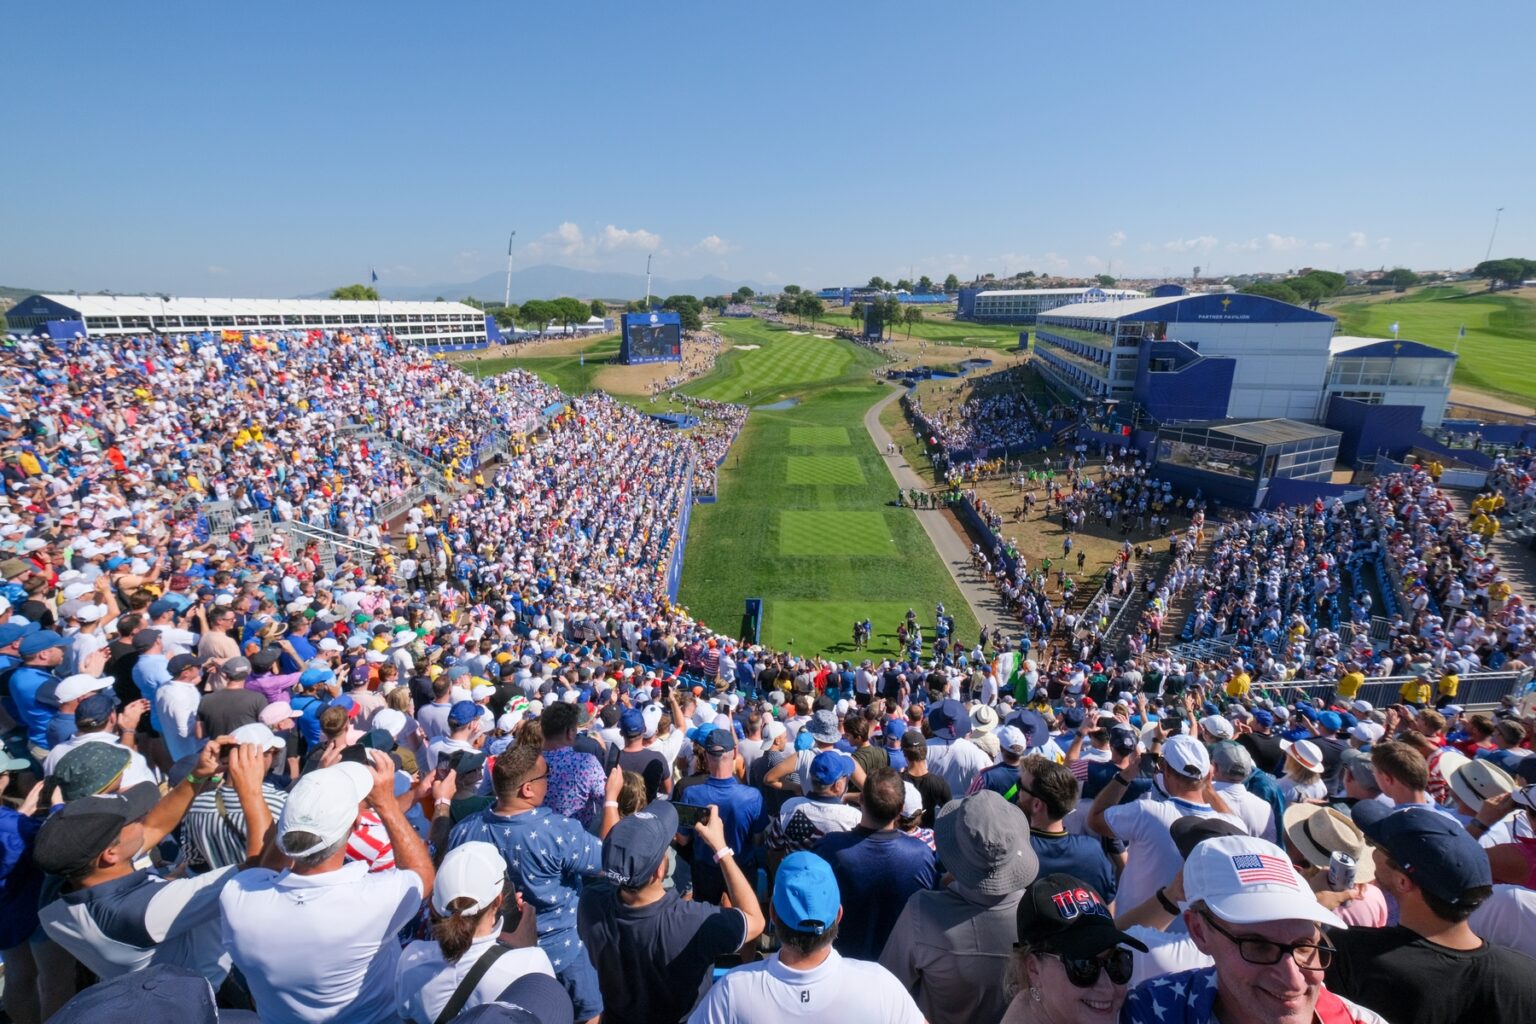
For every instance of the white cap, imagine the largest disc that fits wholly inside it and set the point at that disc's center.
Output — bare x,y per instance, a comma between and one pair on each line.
77,686
912,800
91,612
1011,738
652,715
390,720
1187,756
324,803
1368,732
255,732
329,644
1217,727
480,693
1306,754
773,730
1244,880
507,722
77,590
473,870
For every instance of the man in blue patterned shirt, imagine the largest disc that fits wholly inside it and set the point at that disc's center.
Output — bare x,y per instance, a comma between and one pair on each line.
547,857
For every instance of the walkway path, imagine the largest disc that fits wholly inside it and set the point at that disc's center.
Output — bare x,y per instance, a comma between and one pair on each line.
954,551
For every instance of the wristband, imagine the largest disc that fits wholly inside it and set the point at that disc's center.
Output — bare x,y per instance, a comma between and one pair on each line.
1117,777
1480,826
724,852
197,780
1167,904
610,803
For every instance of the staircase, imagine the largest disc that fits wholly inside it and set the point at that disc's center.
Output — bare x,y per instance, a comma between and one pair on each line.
327,543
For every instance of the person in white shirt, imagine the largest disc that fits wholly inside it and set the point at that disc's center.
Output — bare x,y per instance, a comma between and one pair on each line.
97,720
467,922
1232,765
950,755
807,979
316,941
176,706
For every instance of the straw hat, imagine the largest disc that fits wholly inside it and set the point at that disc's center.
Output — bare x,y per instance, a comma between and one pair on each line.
1319,832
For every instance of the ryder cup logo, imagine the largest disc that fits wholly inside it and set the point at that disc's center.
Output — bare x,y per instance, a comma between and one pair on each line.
654,318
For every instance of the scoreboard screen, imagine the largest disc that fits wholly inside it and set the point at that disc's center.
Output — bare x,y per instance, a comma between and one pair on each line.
652,338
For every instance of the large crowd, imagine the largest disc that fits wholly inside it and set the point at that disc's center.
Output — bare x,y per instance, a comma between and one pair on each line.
490,773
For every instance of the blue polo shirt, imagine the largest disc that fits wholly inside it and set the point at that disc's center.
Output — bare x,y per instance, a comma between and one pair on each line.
741,812
876,873
30,687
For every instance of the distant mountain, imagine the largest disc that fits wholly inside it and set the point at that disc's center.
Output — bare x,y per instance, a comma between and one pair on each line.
547,281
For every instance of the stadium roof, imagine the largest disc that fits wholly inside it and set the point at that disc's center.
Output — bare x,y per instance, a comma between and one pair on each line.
1266,432
1058,291
1342,344
153,305
1201,306
1113,309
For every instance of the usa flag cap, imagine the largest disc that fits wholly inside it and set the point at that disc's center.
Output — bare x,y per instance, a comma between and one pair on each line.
1244,880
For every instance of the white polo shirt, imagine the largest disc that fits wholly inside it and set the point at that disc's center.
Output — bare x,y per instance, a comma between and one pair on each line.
836,989
317,948
138,769
426,981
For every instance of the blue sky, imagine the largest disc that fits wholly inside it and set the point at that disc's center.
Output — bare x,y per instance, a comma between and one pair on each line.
279,149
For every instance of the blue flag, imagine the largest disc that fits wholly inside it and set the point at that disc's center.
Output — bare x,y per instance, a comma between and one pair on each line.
373,274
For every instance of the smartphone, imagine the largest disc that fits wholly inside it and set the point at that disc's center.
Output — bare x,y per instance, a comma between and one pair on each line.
225,749
688,816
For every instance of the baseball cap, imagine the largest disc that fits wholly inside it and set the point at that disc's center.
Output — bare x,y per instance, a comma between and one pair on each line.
805,895
12,631
829,766
1186,756
462,713
77,686
42,640
1232,761
70,841
1244,880
255,732
158,992
911,800
1191,830
144,639
531,999
894,729
314,676
95,709
984,842
1330,721
719,741
323,803
1010,738
182,662
1123,739
632,723
279,711
1264,718
462,762
235,668
1433,850
638,843
1068,916
1217,727
474,870
1358,764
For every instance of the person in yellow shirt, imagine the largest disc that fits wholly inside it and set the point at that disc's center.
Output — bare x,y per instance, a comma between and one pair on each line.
1239,683
1415,692
1450,682
1499,592
1351,681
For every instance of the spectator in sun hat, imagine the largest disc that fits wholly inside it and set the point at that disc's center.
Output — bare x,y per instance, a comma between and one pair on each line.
1185,784
1431,967
1069,954
1316,834
317,940
1248,909
807,978
1303,779
945,946
951,755
471,908
652,949
116,918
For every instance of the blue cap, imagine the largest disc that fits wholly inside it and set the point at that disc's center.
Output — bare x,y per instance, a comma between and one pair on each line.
1431,848
635,847
12,631
1072,718
804,740
718,741
115,562
1264,718
42,640
805,895
631,722
949,720
894,728
463,712
829,766
160,607
95,708
1330,721
315,676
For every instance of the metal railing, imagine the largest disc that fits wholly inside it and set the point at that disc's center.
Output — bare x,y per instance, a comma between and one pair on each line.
1478,691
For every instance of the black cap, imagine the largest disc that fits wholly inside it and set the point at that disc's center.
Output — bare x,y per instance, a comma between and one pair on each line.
263,660
1123,739
1066,915
144,639
182,662
465,761
1193,829
70,841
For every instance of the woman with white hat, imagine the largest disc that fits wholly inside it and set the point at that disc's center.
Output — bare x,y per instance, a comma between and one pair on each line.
465,964
1303,779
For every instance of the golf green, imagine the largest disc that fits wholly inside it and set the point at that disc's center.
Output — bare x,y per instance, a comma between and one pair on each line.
804,532
819,437
824,470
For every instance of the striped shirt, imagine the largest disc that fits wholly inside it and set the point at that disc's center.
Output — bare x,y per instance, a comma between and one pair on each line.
214,831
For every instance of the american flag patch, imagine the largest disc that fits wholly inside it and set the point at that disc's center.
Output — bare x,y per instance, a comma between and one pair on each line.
1253,868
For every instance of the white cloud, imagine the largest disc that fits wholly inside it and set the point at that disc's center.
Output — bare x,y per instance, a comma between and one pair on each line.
214,268
1248,246
1116,239
1283,243
618,238
1202,243
1357,240
714,245
1383,243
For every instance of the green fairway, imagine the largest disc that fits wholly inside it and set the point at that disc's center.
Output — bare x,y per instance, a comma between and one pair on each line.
804,519
1498,355
571,373
946,332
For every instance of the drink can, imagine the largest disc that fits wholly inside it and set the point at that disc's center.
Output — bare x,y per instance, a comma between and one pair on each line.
1341,872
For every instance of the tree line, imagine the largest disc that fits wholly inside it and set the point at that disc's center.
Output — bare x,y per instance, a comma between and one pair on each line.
1307,289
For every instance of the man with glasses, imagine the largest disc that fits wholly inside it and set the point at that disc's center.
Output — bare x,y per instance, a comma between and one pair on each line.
1249,911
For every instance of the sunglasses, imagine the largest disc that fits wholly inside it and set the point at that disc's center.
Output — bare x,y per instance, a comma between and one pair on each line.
1083,971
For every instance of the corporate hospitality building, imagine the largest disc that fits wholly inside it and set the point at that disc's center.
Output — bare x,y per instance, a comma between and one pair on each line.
433,325
1024,305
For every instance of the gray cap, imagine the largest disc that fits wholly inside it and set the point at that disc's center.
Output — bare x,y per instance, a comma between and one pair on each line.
235,668
1232,761
823,727
1358,764
984,842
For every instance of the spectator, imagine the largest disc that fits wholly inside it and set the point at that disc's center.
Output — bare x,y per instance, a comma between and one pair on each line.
949,947
877,867
654,951
806,819
1047,794
933,788
738,809
231,705
576,779
1317,833
807,978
